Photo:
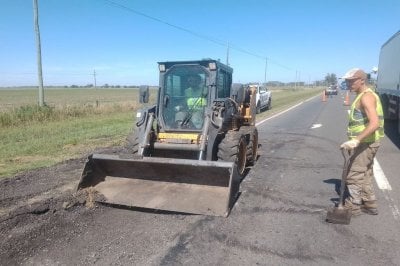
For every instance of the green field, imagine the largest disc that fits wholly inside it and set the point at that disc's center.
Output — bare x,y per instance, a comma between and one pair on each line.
78,120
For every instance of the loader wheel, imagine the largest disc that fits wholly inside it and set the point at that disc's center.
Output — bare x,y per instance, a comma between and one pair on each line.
258,108
269,106
251,134
233,148
252,148
132,143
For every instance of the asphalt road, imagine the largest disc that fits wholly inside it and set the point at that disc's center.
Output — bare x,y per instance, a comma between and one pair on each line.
279,218
302,162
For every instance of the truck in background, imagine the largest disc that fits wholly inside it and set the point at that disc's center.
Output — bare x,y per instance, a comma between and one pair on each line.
388,81
263,97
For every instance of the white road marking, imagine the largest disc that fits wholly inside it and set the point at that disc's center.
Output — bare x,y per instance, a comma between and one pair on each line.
316,126
380,177
392,205
386,188
278,114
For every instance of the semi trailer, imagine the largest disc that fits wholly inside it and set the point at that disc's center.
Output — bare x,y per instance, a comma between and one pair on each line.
388,80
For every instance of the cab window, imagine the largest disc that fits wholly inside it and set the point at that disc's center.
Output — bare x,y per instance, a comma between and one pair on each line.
223,84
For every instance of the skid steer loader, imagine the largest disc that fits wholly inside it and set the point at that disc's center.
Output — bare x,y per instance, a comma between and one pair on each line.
189,152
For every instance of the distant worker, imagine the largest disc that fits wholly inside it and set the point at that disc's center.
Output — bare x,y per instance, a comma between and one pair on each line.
196,99
365,129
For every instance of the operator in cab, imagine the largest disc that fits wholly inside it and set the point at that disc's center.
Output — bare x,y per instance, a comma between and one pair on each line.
196,100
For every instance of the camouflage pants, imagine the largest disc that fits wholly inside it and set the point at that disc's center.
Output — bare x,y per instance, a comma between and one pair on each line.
361,175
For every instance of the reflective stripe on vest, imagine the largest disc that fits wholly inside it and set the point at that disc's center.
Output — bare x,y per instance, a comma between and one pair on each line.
195,101
358,120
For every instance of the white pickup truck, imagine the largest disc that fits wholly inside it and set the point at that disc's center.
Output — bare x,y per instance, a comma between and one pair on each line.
263,97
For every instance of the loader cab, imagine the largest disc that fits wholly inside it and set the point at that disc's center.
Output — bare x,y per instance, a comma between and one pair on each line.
187,90
183,97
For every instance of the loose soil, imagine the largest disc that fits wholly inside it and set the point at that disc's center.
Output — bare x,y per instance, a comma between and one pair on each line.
42,206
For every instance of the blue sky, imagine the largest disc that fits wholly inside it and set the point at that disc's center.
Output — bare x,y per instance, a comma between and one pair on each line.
123,40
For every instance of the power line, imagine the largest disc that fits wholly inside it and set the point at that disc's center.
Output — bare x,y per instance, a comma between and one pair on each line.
219,42
211,39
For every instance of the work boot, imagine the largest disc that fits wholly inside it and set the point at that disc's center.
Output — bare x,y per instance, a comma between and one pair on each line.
370,207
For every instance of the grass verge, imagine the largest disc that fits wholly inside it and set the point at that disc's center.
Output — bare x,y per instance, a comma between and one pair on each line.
43,144
34,140
284,98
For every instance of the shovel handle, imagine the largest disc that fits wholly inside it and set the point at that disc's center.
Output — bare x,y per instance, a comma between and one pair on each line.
347,154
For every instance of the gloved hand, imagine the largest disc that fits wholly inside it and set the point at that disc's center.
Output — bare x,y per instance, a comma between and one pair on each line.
178,108
350,144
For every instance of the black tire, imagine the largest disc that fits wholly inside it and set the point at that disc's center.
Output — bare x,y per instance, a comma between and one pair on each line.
132,145
252,147
132,142
258,108
251,134
269,106
233,148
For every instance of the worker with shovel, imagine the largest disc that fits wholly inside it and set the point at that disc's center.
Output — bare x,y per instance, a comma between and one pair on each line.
365,129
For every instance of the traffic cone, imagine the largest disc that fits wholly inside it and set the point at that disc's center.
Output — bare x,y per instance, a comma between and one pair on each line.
323,96
347,99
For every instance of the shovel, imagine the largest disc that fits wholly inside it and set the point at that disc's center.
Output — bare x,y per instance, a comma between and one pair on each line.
340,215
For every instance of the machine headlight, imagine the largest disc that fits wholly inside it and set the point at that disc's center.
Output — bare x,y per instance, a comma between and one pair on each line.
161,67
212,66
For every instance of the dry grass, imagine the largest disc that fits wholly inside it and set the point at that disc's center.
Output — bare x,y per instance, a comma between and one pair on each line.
19,107
77,121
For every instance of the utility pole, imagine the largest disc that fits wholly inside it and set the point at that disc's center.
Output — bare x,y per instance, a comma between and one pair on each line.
227,54
94,76
38,52
265,73
299,77
95,88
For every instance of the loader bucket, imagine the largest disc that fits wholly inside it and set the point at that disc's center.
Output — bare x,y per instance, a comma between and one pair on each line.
179,185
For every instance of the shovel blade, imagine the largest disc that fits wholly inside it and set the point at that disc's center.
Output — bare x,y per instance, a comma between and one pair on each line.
338,215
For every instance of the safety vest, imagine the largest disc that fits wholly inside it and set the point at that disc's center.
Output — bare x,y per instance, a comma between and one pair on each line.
359,120
195,99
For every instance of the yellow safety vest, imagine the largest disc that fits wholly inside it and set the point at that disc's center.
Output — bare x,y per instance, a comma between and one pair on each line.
358,120
195,99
